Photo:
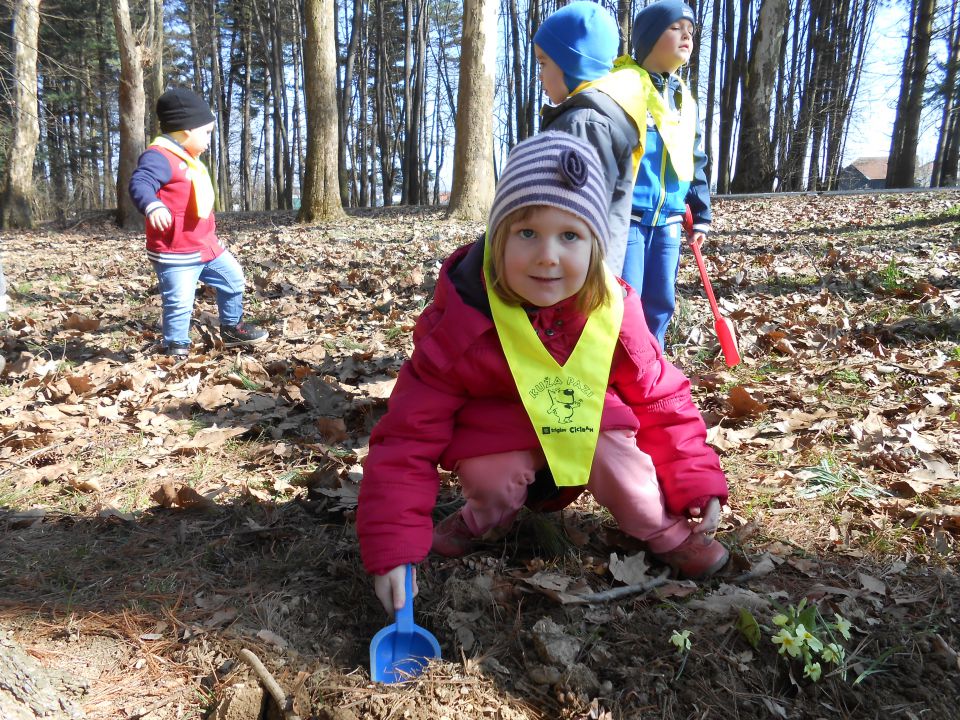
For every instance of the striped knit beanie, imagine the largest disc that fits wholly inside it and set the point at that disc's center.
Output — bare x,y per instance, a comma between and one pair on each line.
555,169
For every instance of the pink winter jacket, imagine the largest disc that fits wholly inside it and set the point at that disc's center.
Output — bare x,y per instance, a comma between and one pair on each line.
455,398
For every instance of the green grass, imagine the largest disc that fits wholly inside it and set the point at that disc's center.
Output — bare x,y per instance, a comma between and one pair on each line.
848,376
891,276
830,477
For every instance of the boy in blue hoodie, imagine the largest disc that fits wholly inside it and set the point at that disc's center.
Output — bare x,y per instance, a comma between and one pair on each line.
671,173
595,96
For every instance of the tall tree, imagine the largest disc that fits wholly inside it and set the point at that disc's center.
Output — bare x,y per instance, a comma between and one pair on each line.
16,203
321,190
154,60
943,172
473,182
131,101
755,162
906,127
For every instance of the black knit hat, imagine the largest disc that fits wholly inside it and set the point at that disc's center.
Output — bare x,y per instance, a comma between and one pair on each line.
181,109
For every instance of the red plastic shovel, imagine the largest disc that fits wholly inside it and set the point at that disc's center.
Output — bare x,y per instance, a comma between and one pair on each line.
721,325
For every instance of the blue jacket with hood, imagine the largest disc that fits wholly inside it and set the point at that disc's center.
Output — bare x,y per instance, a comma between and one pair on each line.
659,197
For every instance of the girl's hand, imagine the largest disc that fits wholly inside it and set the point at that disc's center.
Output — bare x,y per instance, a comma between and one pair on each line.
697,238
705,520
160,219
390,589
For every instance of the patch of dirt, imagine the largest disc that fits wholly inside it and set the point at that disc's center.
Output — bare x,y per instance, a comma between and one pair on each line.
159,517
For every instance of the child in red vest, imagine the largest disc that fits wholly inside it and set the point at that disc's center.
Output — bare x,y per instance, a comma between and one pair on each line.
534,377
172,188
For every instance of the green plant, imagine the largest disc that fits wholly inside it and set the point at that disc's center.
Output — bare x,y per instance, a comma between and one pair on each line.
848,376
805,636
395,332
828,478
681,640
891,277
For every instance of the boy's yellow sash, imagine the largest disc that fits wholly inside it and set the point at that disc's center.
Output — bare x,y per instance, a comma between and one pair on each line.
625,85
199,177
564,402
633,90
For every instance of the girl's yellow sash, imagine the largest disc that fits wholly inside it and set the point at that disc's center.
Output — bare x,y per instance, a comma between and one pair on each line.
199,177
564,402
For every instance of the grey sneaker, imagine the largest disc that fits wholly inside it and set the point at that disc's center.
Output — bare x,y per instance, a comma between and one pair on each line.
179,350
243,333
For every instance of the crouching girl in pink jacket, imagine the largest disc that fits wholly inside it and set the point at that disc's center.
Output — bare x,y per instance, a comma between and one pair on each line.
534,377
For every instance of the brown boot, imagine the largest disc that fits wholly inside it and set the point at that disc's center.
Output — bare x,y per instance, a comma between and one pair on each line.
452,537
697,557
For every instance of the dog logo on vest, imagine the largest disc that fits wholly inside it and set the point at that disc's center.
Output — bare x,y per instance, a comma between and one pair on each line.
562,404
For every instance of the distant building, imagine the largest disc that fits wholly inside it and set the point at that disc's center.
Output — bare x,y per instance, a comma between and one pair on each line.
863,173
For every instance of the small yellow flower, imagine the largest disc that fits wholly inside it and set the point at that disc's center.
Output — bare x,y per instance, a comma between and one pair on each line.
788,642
780,620
804,636
843,626
681,640
833,653
812,671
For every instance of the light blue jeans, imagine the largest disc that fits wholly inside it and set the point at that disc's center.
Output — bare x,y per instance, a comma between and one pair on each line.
178,286
650,267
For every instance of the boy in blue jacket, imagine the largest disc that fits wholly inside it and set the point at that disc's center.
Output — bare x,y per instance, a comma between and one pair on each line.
671,173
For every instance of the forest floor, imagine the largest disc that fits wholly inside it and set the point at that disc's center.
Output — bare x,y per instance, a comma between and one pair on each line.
159,517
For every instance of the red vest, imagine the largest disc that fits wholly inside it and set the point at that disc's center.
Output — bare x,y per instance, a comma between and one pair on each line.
190,238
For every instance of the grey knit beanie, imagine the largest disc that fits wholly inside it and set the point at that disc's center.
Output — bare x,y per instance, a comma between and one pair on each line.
555,169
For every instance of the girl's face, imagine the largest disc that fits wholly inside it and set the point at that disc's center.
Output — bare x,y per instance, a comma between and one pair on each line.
551,77
547,256
197,140
672,49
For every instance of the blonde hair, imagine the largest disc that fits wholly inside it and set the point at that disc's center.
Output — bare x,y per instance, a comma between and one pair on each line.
592,296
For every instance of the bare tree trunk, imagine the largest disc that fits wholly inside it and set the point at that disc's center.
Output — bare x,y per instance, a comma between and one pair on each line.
246,133
131,113
732,77
755,169
949,97
363,126
473,181
154,61
693,72
321,191
297,150
906,128
382,84
222,138
625,21
711,89
951,155
109,192
346,96
16,203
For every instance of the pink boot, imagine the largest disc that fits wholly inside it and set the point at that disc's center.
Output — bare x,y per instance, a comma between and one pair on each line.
452,537
697,557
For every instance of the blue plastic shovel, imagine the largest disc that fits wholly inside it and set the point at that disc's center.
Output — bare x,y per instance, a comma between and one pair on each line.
401,650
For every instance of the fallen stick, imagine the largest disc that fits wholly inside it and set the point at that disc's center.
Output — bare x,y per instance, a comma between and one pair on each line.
272,686
617,593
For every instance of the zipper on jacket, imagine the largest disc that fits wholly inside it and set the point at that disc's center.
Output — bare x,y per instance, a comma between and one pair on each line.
663,163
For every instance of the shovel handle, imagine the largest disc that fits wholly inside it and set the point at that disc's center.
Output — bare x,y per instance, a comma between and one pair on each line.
688,228
405,614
